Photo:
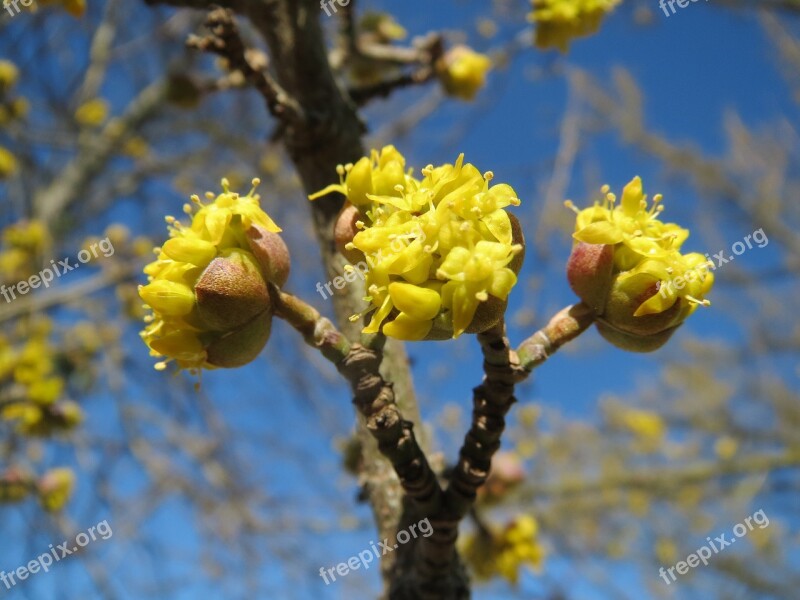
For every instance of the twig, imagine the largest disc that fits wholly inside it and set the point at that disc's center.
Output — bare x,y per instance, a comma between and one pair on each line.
226,42
362,95
372,396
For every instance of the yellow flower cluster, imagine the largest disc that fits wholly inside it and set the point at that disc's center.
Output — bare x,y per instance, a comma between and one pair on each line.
208,288
462,72
436,247
646,252
490,554
559,21
10,109
31,384
23,244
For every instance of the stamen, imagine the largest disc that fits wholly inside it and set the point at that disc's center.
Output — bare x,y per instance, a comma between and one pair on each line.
694,300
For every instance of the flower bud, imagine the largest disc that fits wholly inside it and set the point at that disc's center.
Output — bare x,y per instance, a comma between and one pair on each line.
589,272
231,291
242,345
345,229
271,253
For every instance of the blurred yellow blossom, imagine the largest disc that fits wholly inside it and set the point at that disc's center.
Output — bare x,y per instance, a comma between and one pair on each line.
559,21
92,112
8,74
491,553
462,72
8,164
55,488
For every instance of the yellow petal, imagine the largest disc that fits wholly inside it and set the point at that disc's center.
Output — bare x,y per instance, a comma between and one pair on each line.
379,316
181,345
168,297
502,282
416,302
407,328
632,197
195,251
499,224
464,306
601,232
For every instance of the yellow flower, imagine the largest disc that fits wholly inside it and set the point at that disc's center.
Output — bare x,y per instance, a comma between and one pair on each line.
627,266
92,112
208,289
645,424
559,21
493,553
27,235
438,249
8,74
726,447
136,147
462,72
380,173
8,164
55,488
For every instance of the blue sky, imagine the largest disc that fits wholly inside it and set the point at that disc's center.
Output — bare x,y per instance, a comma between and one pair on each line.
691,67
